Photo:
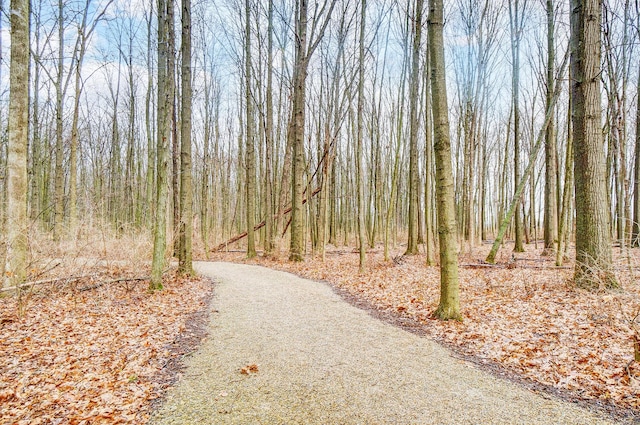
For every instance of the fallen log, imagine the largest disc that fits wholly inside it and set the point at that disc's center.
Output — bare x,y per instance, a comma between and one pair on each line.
511,266
41,282
260,225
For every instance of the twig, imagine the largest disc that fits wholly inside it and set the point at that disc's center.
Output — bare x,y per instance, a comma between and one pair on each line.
120,279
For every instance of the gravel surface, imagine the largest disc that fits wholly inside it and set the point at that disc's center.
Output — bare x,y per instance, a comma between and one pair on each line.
321,361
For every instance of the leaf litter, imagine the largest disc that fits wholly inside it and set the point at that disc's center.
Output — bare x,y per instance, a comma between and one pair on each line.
92,357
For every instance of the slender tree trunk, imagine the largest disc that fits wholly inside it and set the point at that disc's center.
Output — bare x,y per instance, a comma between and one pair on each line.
359,177
269,227
185,263
73,156
520,184
296,248
206,171
449,305
59,171
250,143
429,202
297,125
412,242
17,221
173,125
163,133
151,157
550,207
563,224
516,14
635,239
593,241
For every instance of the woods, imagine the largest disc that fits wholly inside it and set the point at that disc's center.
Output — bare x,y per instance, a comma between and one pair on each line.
469,167
344,101
332,95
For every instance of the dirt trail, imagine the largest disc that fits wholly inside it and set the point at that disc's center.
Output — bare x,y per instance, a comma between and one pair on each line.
321,361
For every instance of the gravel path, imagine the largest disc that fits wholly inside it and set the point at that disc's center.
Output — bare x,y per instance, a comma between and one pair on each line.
322,361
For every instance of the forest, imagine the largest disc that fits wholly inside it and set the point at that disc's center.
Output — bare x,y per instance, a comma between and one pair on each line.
472,166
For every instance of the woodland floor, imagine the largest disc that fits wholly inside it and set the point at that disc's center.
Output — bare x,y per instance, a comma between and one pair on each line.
94,350
86,351
522,318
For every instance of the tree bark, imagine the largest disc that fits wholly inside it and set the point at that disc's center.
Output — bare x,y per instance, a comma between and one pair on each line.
185,262
412,241
250,143
17,221
162,149
550,196
516,15
59,171
296,247
635,238
593,241
449,305
270,233
359,136
297,126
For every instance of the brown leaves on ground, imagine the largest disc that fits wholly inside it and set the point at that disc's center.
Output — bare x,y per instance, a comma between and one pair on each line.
91,357
248,369
530,318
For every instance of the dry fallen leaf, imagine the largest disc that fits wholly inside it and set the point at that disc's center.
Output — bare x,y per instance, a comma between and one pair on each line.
252,368
92,356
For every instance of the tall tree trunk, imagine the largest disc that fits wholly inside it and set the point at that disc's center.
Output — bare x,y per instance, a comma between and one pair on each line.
593,241
173,125
163,135
296,248
151,154
269,240
520,184
565,212
516,19
550,190
250,143
429,202
359,177
297,124
17,221
59,171
412,242
185,264
635,239
449,305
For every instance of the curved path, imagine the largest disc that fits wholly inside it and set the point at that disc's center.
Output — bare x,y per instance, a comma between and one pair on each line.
322,361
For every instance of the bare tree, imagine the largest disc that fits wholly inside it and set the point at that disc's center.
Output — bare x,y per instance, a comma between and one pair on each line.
414,181
593,241
250,158
186,187
449,306
517,15
551,169
163,134
359,137
305,46
17,219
